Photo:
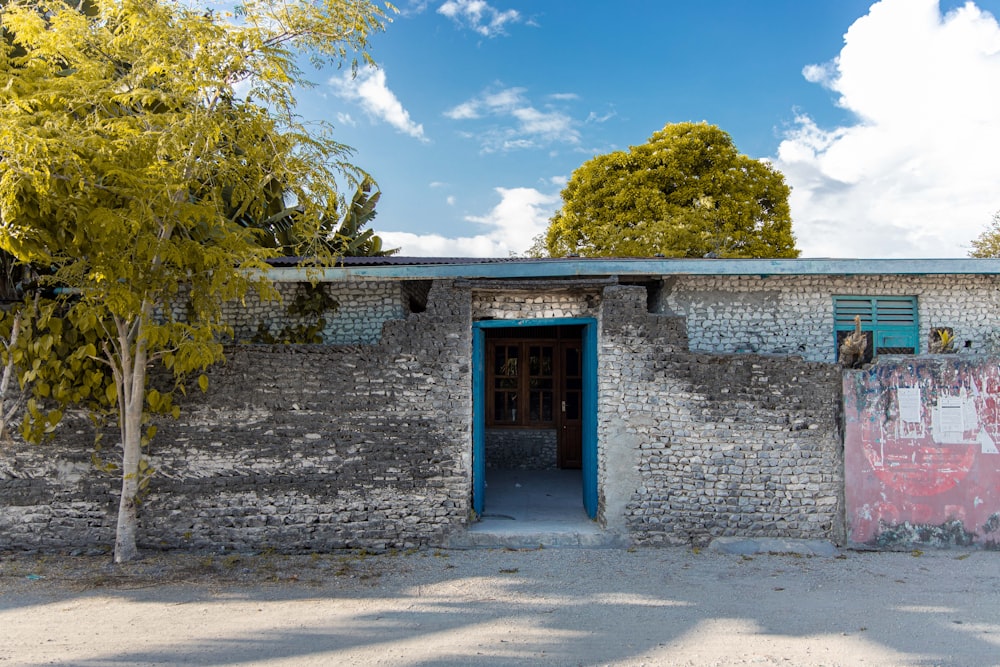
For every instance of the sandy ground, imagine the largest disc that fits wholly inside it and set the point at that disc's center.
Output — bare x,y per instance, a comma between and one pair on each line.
496,607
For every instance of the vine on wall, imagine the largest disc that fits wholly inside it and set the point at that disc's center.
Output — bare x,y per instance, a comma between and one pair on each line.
310,305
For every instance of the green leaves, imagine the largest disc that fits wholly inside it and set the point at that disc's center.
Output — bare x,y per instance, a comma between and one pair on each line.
987,244
126,154
685,193
137,138
154,400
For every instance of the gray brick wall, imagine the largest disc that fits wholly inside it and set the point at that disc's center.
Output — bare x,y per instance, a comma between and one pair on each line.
521,449
695,446
293,448
794,314
363,307
316,447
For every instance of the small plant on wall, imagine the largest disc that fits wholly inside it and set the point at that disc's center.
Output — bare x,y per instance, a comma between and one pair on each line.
311,303
942,340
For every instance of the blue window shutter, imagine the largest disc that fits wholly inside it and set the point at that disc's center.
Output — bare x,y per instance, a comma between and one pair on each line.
892,321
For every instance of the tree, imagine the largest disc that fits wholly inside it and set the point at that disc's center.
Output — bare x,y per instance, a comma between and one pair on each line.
538,249
344,237
133,134
351,239
987,244
685,193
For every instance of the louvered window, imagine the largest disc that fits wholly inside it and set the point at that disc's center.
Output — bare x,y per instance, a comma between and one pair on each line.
890,322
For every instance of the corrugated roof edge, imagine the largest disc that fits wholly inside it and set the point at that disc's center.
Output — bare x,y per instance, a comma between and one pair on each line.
517,268
405,261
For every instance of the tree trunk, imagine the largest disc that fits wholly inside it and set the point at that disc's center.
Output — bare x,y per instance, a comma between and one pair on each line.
7,411
131,382
131,414
125,545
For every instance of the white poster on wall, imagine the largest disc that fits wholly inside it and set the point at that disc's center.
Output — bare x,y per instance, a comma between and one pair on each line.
909,403
951,418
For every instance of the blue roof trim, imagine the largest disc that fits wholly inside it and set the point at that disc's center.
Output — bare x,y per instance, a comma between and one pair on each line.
396,260
421,269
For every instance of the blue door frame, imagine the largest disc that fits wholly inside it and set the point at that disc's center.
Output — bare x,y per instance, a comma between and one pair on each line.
589,344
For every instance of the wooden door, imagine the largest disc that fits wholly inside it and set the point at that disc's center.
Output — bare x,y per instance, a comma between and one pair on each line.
570,415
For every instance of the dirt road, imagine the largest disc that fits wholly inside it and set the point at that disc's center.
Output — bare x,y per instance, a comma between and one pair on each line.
496,607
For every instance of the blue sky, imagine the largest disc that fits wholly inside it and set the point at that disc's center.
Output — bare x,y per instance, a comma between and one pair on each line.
884,117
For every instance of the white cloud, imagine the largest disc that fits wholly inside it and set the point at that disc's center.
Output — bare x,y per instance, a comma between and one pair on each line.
817,73
517,124
594,117
511,226
412,7
370,91
464,111
542,123
479,16
506,99
916,175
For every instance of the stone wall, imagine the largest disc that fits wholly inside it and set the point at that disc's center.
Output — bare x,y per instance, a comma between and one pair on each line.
794,314
317,447
695,446
293,448
363,307
510,304
522,449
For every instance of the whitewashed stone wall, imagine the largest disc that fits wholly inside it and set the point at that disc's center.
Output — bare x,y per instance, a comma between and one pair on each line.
364,306
794,314
515,304
318,447
294,447
522,449
696,446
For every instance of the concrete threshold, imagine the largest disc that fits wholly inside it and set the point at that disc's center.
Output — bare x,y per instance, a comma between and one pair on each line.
500,533
527,509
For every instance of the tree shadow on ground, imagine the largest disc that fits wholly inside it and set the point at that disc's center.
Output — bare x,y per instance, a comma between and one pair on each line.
562,607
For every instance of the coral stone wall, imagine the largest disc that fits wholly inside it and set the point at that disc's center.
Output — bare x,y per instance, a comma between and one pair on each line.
315,447
696,446
363,307
508,304
293,448
522,449
794,314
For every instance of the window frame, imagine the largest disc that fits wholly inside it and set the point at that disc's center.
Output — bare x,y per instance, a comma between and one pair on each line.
523,386
891,322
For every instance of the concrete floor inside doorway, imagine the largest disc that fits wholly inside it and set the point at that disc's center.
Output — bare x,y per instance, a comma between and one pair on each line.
532,508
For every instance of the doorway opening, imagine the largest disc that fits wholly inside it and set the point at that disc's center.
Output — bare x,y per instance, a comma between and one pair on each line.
534,435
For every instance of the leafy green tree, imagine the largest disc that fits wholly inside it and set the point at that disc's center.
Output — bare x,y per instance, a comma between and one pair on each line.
133,136
343,236
537,249
686,193
351,239
987,244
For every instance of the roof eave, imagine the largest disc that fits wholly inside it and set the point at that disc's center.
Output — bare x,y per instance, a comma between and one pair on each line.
639,267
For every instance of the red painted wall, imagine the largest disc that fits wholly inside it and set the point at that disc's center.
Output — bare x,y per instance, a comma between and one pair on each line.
921,459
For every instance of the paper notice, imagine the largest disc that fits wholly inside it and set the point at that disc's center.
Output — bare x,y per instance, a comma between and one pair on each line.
950,414
909,403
